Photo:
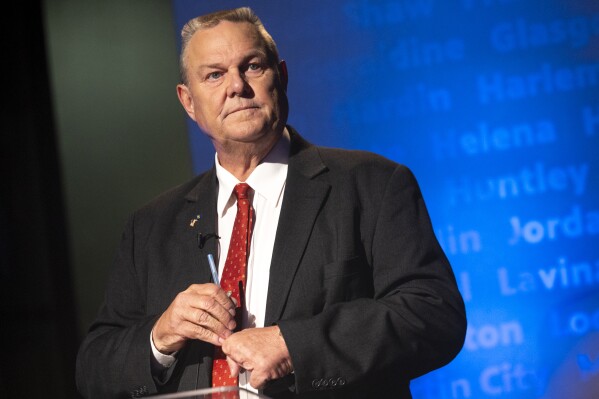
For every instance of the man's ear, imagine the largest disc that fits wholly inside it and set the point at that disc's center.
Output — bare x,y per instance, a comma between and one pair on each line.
186,100
283,74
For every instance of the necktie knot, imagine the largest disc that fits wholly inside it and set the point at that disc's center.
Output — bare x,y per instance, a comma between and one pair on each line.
241,191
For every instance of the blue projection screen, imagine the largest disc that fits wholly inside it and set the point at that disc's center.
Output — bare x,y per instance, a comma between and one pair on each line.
494,104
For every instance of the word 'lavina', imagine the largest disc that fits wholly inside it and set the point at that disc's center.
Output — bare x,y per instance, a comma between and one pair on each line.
564,276
533,180
577,323
575,224
522,34
547,80
485,139
489,336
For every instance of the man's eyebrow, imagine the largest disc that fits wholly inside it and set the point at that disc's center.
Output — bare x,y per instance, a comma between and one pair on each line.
246,58
256,53
216,65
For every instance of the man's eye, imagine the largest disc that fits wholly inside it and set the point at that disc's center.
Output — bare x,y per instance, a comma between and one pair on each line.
214,75
254,67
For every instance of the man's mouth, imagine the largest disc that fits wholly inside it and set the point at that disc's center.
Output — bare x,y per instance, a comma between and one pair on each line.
242,108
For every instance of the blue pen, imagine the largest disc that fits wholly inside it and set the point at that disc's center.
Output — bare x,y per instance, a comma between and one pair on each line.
213,269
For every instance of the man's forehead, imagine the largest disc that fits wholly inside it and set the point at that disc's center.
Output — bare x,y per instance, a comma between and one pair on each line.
239,35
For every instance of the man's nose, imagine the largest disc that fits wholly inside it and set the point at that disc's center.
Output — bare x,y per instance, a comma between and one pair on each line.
236,86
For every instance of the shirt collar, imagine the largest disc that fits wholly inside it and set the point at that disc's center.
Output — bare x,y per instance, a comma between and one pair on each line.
267,180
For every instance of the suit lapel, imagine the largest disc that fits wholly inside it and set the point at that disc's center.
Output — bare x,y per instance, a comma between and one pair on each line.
202,208
303,199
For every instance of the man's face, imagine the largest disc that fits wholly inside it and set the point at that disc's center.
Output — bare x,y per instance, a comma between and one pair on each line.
233,93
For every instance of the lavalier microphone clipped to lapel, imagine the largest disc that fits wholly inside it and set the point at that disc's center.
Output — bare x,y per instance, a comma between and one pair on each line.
203,237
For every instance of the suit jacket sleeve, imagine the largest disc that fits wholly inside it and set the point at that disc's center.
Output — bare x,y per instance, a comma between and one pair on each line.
383,305
114,358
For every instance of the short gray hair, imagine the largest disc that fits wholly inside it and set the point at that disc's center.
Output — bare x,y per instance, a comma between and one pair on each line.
242,14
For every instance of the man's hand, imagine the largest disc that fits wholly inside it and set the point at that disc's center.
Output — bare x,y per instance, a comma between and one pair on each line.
260,350
203,311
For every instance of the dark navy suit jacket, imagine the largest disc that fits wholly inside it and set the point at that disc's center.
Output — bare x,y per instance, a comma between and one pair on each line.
359,286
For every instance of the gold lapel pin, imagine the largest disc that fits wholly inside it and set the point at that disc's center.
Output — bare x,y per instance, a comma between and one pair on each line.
193,221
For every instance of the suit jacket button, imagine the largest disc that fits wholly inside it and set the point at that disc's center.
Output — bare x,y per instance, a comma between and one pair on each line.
316,383
139,392
333,382
341,381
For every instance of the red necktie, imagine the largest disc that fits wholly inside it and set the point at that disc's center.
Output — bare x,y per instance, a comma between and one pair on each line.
234,276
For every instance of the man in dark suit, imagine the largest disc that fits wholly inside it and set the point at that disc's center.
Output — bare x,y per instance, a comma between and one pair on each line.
346,293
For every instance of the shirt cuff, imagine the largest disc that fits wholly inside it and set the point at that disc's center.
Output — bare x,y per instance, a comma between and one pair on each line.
166,361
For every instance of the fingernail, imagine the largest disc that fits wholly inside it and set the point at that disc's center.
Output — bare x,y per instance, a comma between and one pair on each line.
231,325
220,340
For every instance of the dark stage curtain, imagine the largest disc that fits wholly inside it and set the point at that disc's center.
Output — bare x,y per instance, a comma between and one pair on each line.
38,336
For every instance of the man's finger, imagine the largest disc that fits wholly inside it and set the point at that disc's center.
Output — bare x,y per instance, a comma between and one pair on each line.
193,331
234,367
216,292
258,380
208,312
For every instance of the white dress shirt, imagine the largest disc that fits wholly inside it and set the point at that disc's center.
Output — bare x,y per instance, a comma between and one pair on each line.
268,184
268,187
